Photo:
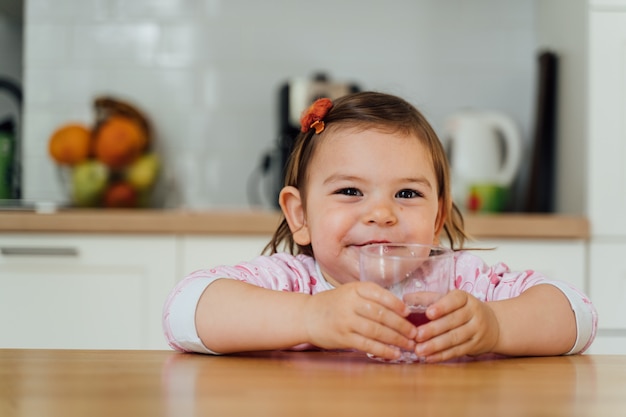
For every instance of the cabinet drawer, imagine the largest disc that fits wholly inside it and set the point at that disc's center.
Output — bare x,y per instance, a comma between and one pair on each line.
87,292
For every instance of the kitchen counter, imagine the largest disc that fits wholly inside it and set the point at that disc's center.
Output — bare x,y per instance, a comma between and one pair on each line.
256,222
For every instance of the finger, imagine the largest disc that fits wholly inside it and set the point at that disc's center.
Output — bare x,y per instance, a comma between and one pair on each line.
460,341
454,337
374,330
443,325
450,302
447,354
379,295
376,348
457,343
382,318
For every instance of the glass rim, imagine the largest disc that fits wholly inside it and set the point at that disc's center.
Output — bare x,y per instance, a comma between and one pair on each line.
374,249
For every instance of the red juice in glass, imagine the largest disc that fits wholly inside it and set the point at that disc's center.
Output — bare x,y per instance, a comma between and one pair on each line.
418,316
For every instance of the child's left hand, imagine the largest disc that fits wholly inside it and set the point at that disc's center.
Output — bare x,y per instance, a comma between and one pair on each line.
460,325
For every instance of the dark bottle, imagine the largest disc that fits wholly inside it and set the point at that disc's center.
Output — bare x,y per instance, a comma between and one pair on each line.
9,188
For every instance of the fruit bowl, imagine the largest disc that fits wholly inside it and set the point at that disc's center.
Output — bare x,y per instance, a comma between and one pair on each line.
92,183
111,165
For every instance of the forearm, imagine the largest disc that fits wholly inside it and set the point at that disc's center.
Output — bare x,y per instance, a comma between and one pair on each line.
234,316
540,321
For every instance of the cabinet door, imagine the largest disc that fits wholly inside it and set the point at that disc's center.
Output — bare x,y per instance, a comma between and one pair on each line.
199,252
563,260
608,343
84,291
607,278
607,128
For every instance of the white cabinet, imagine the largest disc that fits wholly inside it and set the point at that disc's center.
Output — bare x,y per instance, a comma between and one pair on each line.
561,259
198,252
607,278
608,282
84,291
606,191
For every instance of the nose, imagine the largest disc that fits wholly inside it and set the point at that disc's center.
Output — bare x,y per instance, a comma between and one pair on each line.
382,213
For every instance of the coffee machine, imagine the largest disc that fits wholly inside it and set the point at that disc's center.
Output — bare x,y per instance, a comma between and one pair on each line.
294,97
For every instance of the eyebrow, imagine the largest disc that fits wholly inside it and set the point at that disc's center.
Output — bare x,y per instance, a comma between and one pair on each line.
340,177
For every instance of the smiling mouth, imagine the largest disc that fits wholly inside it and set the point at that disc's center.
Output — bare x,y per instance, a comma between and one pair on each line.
373,242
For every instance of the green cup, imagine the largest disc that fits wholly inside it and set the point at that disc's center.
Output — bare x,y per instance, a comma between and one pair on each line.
487,198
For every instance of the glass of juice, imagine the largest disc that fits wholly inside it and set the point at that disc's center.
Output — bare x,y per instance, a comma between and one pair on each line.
415,273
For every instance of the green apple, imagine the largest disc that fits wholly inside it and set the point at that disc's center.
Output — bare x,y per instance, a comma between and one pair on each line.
89,179
142,173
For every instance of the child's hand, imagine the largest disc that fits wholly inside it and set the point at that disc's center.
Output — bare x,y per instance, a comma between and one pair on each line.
359,316
460,325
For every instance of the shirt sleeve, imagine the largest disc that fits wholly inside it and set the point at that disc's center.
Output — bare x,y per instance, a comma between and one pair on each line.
281,272
498,282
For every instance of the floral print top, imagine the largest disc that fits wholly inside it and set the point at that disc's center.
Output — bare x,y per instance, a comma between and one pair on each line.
300,273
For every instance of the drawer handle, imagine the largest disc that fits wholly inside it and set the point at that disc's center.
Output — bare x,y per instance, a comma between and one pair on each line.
38,251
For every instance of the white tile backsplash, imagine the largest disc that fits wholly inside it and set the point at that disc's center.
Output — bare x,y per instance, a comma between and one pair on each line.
207,72
47,46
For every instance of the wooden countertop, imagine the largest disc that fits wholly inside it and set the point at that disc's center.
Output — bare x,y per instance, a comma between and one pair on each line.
261,222
72,383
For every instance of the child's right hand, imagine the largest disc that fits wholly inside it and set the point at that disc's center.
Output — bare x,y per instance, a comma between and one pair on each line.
361,316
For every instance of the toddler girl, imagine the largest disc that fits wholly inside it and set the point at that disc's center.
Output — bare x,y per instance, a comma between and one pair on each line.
369,168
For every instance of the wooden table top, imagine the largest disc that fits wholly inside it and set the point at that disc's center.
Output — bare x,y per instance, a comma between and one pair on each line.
161,383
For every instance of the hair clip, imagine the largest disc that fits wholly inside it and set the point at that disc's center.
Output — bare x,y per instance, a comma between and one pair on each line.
313,117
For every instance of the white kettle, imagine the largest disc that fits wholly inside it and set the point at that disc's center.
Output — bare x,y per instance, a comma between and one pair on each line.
484,147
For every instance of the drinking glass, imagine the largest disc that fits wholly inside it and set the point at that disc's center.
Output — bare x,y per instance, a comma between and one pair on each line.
415,273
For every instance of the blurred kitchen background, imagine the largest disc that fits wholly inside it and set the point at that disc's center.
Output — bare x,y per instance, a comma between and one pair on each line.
208,73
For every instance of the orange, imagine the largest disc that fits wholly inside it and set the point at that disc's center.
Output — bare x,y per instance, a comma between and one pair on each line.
70,144
119,141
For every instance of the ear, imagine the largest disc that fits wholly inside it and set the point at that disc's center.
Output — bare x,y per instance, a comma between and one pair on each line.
291,204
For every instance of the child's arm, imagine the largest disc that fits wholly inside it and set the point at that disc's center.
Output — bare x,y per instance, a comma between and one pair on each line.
234,316
540,321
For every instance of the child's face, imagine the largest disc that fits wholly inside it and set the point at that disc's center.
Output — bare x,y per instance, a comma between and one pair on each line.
366,187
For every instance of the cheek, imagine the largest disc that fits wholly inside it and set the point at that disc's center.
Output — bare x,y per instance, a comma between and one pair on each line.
423,228
331,226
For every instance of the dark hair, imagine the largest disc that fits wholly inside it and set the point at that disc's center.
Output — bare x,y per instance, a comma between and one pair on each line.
370,110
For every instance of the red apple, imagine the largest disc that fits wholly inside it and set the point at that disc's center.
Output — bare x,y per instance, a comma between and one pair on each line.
120,194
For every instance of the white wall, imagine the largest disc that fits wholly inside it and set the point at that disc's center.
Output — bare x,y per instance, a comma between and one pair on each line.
207,71
562,27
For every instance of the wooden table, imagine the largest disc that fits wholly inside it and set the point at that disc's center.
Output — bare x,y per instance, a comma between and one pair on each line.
159,383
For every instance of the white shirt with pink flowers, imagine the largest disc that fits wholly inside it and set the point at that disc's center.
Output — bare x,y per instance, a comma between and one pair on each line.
300,273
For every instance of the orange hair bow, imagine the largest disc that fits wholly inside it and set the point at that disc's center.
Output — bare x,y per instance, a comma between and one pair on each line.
313,117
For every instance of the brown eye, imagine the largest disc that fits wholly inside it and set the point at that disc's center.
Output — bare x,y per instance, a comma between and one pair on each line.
407,193
354,192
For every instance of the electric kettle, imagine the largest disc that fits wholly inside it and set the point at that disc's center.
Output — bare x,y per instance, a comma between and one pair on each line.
484,148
